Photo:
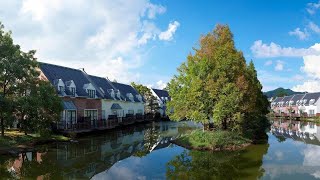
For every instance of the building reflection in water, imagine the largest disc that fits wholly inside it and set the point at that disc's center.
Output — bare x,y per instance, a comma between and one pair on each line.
92,155
307,132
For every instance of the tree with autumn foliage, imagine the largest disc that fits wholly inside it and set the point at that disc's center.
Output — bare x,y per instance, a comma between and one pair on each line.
215,85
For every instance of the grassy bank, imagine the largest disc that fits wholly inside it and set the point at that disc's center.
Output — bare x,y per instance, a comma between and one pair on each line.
212,140
15,139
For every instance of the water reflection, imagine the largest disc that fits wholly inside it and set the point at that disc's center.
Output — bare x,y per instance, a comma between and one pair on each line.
145,152
307,132
294,151
244,164
92,155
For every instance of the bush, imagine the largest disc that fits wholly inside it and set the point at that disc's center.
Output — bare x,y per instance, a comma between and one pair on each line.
213,139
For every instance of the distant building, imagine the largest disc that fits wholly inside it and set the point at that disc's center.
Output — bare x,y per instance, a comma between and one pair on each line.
162,98
307,104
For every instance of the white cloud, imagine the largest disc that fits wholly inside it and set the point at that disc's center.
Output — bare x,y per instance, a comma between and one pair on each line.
298,78
160,85
106,37
153,10
168,34
268,63
312,7
315,28
261,50
316,174
302,35
308,86
279,65
311,156
311,66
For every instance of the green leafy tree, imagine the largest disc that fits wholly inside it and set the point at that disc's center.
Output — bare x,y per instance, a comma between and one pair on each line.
17,70
22,95
214,85
282,93
152,105
40,108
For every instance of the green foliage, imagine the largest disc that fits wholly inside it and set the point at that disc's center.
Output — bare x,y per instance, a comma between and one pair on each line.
22,95
213,139
279,92
216,85
245,164
151,105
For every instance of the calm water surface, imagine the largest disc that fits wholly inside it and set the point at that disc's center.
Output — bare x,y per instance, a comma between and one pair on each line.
145,152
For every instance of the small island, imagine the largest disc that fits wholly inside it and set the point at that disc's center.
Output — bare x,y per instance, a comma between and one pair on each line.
217,88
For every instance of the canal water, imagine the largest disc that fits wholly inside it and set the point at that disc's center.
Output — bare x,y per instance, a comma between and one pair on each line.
145,152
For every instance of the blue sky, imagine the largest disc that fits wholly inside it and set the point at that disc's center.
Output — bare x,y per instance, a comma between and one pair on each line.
145,41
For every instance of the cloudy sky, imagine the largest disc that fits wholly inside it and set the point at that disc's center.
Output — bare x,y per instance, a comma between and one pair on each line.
146,40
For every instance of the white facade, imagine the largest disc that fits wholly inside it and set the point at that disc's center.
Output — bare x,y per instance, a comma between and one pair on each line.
311,109
136,107
162,105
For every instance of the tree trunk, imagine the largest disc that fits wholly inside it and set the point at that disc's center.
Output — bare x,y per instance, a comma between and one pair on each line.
224,124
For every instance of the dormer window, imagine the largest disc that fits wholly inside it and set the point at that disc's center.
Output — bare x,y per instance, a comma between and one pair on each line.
112,94
91,93
130,96
304,101
311,102
61,89
118,94
73,91
139,97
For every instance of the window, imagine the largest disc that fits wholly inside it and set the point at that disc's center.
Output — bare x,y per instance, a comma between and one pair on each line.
312,125
91,93
139,111
73,91
92,114
130,111
311,112
118,94
103,114
115,112
61,89
71,116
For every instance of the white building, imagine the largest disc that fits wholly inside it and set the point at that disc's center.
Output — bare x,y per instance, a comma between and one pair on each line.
162,98
120,100
310,104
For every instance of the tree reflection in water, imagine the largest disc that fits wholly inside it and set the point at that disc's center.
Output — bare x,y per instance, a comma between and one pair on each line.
245,164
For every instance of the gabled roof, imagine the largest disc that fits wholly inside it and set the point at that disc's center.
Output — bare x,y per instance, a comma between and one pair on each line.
104,84
297,97
310,96
287,98
55,72
161,93
124,89
278,99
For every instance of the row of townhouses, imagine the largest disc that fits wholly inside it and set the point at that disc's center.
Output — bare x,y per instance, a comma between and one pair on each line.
92,102
307,104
